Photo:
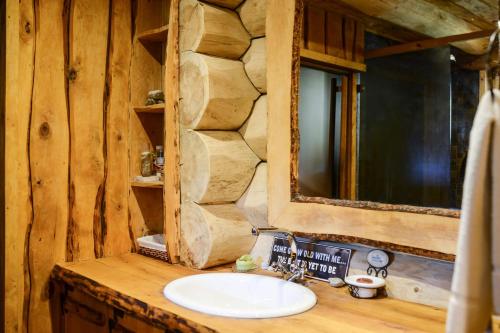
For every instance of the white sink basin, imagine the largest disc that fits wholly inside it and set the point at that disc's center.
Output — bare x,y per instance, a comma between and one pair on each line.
240,295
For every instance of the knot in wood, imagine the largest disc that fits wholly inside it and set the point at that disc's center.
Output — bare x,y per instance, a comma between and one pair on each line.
44,130
27,27
72,74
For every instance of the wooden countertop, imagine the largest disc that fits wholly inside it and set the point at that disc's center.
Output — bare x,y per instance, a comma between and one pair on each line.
135,283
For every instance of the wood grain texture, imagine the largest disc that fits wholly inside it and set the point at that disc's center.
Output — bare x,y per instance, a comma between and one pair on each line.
213,235
211,30
255,64
215,93
253,202
334,34
87,100
315,29
253,16
254,130
373,24
20,52
401,228
423,17
49,137
337,310
172,190
216,166
116,238
313,58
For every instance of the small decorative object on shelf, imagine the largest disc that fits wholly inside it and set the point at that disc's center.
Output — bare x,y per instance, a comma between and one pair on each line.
153,246
364,286
147,164
378,262
159,161
155,97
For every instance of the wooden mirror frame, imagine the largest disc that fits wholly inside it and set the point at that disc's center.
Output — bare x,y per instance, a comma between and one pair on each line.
430,232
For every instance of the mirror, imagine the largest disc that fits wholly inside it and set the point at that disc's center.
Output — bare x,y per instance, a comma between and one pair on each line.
394,134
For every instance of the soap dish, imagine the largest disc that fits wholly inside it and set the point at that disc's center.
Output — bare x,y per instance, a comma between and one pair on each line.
153,246
364,286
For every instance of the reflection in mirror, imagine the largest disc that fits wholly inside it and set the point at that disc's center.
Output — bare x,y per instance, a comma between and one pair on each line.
402,140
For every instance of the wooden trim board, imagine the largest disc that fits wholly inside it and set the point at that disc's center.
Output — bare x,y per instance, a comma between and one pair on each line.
154,35
171,191
329,60
407,229
425,44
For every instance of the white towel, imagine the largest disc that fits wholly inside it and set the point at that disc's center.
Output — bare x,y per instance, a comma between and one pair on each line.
476,280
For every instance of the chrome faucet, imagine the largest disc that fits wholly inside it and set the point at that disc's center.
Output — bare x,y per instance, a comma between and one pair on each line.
293,272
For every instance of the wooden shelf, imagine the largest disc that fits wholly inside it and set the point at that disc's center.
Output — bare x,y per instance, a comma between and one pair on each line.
332,61
155,108
154,35
147,184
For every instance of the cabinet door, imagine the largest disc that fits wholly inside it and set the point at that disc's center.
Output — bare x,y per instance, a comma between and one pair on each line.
123,323
83,314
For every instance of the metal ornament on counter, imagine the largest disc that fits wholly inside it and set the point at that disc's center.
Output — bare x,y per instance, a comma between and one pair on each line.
322,261
378,262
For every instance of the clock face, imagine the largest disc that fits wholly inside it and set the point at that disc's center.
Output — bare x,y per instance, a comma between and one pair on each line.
378,258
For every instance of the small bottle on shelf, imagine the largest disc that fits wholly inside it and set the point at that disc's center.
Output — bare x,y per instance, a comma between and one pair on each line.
159,161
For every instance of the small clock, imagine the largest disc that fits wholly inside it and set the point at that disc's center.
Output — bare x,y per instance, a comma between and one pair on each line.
378,261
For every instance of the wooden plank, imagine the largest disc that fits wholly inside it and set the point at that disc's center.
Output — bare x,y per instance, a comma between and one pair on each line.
20,50
352,133
315,29
476,12
156,184
349,36
328,60
423,17
172,190
154,35
344,139
425,44
117,239
373,24
334,34
86,92
155,108
359,43
126,288
49,159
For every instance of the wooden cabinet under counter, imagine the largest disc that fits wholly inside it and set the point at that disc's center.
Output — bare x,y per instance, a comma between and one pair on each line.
125,295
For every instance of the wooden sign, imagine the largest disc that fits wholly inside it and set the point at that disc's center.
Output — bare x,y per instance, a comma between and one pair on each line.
323,261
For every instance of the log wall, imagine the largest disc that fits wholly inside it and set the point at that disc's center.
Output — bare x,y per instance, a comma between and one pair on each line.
223,116
66,130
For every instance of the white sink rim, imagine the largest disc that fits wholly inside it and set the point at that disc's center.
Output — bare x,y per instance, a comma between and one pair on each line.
309,298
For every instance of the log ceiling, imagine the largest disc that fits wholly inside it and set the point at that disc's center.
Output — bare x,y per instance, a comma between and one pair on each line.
412,20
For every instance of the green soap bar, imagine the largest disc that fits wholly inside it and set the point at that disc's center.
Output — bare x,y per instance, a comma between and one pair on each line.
246,257
245,263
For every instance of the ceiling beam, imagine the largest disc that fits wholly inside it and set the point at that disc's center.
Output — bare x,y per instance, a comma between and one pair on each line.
425,44
468,11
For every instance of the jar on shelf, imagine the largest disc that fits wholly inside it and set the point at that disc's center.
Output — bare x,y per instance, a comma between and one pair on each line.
147,168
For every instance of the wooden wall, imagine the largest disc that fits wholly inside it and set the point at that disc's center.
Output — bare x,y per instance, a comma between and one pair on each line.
333,33
66,143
